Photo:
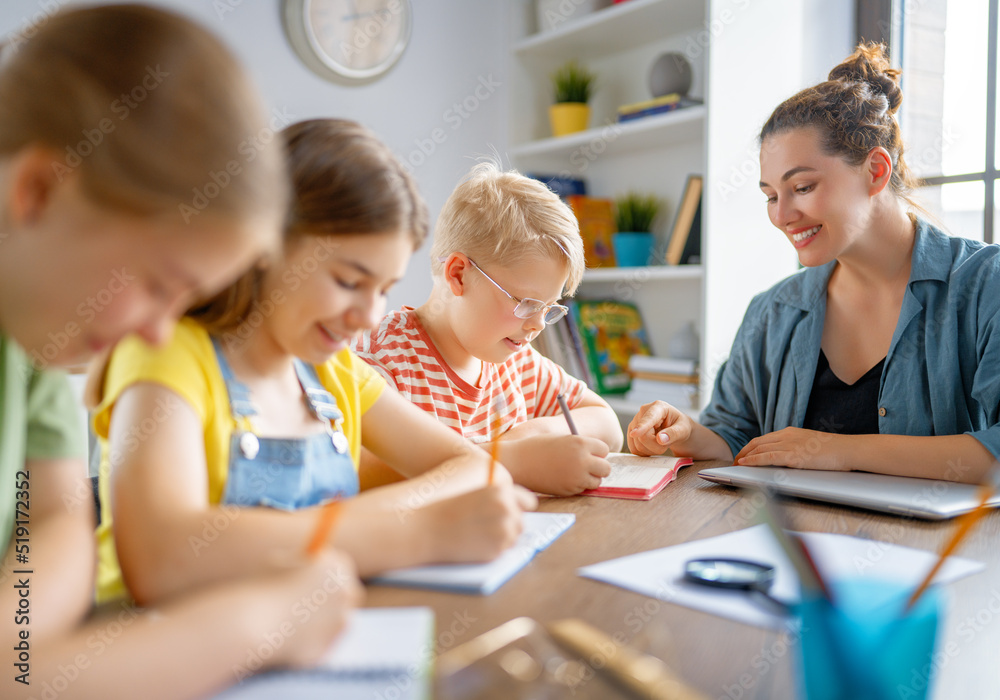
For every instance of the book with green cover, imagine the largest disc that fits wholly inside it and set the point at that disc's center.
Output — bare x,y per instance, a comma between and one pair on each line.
611,332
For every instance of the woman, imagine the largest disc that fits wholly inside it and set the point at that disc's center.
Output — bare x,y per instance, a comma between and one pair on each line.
883,354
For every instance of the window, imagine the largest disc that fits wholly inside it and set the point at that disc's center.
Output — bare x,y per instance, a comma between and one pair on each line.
947,50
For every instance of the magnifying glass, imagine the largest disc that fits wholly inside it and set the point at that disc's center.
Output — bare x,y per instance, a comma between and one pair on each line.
735,574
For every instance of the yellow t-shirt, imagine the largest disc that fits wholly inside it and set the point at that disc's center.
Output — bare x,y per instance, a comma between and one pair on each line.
187,366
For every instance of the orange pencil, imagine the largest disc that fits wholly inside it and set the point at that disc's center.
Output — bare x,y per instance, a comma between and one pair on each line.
965,524
494,446
324,527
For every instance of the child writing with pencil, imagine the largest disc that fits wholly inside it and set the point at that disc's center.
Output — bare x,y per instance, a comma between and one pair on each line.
505,251
220,446
883,355
108,226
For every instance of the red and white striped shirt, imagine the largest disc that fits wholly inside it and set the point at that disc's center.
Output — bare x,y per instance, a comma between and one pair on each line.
401,351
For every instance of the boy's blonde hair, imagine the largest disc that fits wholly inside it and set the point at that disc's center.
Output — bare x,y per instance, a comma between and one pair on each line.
149,110
502,217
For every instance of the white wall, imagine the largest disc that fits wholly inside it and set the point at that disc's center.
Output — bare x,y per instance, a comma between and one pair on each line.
458,45
764,52
455,47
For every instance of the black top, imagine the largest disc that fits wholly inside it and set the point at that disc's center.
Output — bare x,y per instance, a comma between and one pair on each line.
848,409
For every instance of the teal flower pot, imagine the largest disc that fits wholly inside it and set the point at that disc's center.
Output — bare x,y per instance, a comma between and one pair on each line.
632,249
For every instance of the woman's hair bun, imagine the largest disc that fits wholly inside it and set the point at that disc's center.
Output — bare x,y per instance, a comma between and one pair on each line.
870,64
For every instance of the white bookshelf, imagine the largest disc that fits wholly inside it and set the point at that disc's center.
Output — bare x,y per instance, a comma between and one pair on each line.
745,59
643,274
659,131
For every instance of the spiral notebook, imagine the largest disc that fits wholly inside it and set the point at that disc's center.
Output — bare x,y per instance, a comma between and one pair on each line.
384,652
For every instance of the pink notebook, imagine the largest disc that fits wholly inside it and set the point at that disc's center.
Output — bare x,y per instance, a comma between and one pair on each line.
637,478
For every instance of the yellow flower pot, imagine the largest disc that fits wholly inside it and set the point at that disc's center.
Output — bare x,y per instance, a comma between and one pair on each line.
568,118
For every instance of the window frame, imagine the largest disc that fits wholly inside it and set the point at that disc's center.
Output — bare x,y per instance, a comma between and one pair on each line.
882,20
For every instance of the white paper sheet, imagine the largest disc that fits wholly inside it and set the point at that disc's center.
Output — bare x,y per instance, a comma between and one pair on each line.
384,652
658,573
387,640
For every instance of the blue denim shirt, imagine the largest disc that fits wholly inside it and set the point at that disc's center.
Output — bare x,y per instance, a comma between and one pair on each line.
942,371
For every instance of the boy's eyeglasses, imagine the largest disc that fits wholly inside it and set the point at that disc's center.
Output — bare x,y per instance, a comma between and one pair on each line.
526,308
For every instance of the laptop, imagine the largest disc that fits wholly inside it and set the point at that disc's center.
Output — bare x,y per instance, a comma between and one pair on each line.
900,495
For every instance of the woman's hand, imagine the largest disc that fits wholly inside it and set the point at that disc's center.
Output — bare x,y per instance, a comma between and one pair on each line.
797,448
657,427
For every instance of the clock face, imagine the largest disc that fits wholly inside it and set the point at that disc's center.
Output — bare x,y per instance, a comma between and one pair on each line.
354,39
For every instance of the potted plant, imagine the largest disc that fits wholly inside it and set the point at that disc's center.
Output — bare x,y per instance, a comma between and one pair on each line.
572,85
634,216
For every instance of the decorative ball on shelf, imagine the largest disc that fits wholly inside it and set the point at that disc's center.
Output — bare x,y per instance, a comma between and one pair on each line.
670,73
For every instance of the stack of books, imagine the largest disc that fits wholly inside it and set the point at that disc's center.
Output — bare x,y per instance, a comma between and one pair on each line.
658,105
663,379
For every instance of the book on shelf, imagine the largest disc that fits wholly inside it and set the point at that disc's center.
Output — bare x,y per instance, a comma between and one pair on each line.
561,344
570,359
684,244
672,99
611,332
631,115
656,364
637,478
576,345
648,390
562,185
667,377
597,224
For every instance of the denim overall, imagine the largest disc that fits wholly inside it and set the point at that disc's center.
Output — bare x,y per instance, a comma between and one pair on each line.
287,473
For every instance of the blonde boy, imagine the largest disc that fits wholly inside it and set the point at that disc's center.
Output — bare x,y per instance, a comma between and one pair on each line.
506,250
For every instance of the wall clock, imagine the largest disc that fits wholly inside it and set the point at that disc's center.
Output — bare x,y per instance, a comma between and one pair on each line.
348,41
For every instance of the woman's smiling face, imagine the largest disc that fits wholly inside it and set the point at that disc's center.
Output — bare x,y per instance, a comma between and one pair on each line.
820,201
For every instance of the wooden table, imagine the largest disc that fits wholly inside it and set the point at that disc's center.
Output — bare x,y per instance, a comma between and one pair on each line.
722,658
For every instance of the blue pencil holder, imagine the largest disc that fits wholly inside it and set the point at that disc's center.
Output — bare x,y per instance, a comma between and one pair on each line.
865,647
632,249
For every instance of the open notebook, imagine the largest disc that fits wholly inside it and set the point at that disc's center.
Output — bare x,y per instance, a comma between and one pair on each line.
540,530
637,478
384,652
